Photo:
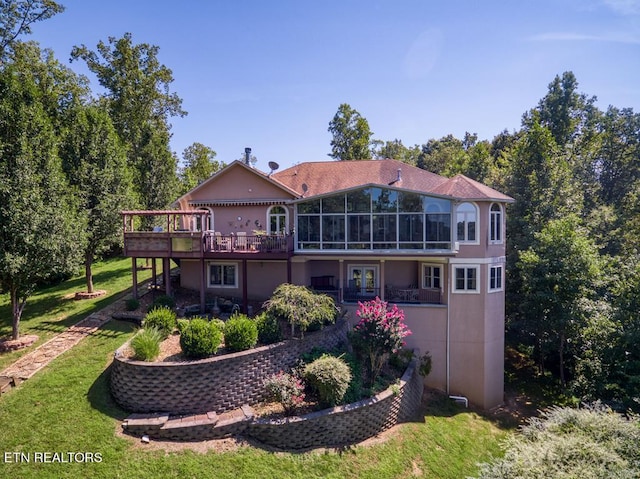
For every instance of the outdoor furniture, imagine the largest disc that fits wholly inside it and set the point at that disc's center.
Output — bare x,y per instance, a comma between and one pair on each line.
241,240
222,243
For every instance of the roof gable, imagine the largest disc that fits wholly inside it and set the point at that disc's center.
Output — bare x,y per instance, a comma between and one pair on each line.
237,181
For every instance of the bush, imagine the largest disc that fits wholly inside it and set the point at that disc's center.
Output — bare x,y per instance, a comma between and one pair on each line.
240,333
268,328
132,304
162,319
285,388
329,377
146,344
199,338
301,307
163,301
564,442
379,333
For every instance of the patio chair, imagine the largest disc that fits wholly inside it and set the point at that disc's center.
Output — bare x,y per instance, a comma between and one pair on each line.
241,240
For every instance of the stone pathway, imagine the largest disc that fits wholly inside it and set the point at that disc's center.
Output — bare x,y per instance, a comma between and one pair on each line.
32,362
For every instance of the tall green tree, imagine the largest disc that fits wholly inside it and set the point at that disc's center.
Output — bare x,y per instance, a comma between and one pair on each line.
559,270
41,236
351,135
199,164
140,103
16,18
96,166
438,154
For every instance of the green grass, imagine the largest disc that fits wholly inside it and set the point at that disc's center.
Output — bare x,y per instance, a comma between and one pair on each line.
50,311
67,408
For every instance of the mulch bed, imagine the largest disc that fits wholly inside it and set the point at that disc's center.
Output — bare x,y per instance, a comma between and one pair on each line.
23,341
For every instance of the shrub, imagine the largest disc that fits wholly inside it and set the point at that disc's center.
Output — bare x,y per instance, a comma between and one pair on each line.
301,307
146,344
240,333
162,319
199,338
132,304
268,328
329,377
379,333
163,301
285,388
564,442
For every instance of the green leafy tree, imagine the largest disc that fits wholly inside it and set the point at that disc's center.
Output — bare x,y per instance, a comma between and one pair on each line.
559,270
96,166
438,155
140,103
16,18
351,135
199,164
41,236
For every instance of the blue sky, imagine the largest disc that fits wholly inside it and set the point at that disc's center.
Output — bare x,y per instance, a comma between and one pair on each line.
271,74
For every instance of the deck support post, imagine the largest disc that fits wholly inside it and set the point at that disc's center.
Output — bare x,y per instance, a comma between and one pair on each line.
245,299
134,274
202,286
166,274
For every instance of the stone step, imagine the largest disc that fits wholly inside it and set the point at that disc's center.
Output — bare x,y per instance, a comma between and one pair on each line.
195,427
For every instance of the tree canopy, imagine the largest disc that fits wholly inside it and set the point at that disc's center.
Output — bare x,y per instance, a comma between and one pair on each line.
351,136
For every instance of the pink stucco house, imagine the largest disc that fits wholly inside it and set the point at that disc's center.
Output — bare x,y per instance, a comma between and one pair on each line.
355,230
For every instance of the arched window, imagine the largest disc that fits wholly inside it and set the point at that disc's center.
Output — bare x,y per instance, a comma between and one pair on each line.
203,223
467,223
495,224
277,220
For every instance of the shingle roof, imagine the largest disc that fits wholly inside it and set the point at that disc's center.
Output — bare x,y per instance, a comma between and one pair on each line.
328,176
463,187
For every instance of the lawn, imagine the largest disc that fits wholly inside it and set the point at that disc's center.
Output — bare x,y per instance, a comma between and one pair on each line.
67,408
49,311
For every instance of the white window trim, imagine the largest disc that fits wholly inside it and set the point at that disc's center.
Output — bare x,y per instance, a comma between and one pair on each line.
286,219
489,288
431,265
455,223
501,240
222,263
454,278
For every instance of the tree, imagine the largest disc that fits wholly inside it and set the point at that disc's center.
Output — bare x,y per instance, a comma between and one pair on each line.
351,135
17,16
199,164
140,103
437,155
559,270
41,237
96,166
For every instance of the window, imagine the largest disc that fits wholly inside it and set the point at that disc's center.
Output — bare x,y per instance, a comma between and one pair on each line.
375,219
495,224
223,275
466,279
495,278
277,220
363,280
466,219
431,277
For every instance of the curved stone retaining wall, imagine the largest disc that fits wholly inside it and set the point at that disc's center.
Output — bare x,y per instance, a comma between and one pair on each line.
219,383
347,424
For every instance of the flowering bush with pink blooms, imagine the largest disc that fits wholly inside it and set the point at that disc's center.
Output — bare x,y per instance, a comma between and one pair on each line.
380,332
287,389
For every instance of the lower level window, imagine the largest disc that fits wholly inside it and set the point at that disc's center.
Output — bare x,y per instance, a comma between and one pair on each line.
466,279
495,278
223,275
432,277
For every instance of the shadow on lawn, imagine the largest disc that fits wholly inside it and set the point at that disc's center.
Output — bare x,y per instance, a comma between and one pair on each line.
99,394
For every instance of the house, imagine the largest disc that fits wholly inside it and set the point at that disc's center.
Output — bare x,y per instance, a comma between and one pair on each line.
355,230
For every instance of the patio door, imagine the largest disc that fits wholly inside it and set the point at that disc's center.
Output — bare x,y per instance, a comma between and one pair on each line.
364,279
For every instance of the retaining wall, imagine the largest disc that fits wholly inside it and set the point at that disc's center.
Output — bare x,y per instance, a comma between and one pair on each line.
347,424
219,383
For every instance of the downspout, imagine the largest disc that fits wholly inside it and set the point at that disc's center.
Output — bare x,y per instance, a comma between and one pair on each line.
448,322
